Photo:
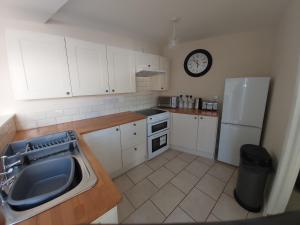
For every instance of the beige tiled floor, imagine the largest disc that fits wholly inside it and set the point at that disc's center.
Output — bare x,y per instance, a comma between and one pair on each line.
179,187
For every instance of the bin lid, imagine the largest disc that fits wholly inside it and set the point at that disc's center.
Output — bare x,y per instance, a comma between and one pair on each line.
255,155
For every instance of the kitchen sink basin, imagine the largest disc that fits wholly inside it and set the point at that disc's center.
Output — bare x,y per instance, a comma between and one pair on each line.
41,182
52,169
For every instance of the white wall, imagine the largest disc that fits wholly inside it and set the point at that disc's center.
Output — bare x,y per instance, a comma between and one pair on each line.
285,69
35,113
234,55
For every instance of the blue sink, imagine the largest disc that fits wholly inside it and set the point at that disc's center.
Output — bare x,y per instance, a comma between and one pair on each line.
41,182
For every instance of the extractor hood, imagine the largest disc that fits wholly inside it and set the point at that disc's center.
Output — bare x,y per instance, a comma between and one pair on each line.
148,72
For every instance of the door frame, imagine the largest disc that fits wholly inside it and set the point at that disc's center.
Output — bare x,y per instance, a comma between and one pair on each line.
289,162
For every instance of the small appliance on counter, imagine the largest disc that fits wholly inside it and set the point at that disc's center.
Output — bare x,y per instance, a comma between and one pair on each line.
210,105
168,101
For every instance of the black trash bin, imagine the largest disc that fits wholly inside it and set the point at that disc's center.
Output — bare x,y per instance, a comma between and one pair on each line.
255,166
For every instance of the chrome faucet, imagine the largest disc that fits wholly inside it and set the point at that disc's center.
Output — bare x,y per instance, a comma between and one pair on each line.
8,166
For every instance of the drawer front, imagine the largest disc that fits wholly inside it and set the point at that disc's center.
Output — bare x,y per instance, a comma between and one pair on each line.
134,156
133,134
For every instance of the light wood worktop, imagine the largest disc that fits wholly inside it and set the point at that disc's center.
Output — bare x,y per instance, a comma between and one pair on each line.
93,203
197,112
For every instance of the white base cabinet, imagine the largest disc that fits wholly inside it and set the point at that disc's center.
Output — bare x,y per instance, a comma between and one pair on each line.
110,217
119,148
194,134
106,146
184,132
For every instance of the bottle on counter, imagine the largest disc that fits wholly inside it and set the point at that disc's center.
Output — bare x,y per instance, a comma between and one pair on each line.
190,102
181,101
185,101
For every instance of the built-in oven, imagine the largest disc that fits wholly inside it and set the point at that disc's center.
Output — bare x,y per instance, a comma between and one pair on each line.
158,143
159,126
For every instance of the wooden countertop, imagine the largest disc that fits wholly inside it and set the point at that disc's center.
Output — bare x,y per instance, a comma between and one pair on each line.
89,205
198,112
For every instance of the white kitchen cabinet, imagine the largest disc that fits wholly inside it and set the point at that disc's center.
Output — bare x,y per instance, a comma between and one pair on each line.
184,132
160,82
88,67
145,61
133,134
121,70
38,65
134,156
207,133
110,217
106,146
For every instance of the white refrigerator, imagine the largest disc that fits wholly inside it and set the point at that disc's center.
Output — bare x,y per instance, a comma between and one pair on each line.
242,117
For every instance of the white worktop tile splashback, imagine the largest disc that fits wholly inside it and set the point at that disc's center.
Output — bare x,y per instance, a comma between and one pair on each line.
33,114
7,132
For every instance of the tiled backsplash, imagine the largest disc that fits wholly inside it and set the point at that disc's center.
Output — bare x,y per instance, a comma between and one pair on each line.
7,131
89,107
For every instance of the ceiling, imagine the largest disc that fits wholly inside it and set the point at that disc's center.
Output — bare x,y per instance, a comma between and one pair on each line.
150,19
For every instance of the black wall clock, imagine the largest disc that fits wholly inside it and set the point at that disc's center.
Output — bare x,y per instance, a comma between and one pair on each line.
197,63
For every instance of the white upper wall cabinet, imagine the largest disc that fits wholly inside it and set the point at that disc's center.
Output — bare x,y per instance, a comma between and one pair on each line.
38,65
145,60
160,82
88,67
121,70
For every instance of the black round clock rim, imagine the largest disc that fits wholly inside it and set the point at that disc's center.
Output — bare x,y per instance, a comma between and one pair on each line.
209,57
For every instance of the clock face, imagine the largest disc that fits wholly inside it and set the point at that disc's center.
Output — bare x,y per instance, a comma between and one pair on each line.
198,63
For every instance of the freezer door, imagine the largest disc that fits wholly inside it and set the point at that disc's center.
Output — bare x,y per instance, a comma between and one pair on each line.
232,137
245,101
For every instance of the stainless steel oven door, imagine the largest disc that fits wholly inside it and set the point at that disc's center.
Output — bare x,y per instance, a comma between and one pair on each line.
156,127
158,143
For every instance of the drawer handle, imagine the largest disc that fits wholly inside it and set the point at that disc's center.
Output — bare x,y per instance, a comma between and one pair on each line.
135,149
134,133
195,117
134,124
117,129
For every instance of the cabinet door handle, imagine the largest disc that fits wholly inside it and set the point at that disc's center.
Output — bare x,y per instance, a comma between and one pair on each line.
134,124
106,91
68,93
134,133
162,88
195,117
113,90
117,129
149,65
135,149
201,118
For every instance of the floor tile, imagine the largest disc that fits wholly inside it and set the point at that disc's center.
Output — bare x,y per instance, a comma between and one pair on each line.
139,173
179,216
170,154
157,162
221,171
206,161
197,169
229,189
123,183
167,198
147,213
124,209
211,186
184,181
187,157
176,165
198,205
160,177
212,218
141,192
228,209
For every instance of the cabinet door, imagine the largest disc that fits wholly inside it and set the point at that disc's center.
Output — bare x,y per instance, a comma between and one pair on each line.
133,134
121,70
147,61
38,65
134,156
88,67
207,134
160,82
184,132
106,146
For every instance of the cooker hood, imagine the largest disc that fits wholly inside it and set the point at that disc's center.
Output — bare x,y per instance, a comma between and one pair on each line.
148,72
